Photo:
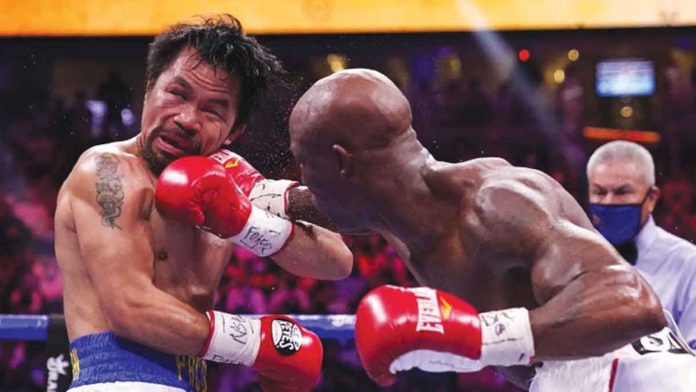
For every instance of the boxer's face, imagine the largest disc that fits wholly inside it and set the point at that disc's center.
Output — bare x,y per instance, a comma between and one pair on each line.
621,183
190,110
332,194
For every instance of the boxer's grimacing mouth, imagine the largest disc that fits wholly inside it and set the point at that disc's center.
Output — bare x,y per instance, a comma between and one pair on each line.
172,142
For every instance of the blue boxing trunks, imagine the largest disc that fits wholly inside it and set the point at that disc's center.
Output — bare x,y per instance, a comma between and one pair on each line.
104,362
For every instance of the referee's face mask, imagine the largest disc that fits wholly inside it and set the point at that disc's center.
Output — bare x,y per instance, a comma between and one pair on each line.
620,200
618,223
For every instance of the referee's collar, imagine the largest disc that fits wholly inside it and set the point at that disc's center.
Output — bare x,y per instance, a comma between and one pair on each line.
646,235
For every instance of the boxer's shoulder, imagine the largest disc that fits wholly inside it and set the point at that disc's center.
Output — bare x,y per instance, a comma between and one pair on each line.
102,157
489,163
509,188
107,161
109,170
509,210
480,173
512,187
478,168
456,180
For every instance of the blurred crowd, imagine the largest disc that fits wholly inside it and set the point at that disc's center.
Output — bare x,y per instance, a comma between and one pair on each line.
458,119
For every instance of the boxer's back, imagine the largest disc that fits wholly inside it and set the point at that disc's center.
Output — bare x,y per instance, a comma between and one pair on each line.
482,260
184,261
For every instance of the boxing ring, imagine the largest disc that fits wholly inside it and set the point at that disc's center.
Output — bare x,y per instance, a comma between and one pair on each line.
26,327
51,330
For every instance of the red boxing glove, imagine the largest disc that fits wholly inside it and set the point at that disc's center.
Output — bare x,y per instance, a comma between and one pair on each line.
197,191
269,195
287,356
245,175
397,329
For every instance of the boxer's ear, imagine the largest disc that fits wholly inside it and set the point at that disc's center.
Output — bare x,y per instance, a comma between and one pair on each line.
345,161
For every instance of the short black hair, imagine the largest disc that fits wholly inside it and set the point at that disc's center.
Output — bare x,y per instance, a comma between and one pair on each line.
220,41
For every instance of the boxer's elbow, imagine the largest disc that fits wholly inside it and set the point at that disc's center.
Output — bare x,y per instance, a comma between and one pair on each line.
641,304
342,262
332,260
653,317
339,261
123,314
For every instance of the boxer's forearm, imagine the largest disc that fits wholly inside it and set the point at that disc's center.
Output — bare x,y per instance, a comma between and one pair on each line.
301,207
598,312
315,252
156,319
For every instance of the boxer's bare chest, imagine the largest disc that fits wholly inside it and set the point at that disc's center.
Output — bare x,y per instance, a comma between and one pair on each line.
188,262
474,274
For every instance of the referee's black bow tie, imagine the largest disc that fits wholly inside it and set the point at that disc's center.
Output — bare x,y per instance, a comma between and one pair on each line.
629,251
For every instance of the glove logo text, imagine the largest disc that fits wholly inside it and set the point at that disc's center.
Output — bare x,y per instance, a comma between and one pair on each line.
287,337
429,316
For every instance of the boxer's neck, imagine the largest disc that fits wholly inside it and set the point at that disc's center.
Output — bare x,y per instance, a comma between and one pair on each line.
135,145
403,203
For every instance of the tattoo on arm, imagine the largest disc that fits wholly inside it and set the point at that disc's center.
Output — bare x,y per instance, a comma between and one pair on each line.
109,190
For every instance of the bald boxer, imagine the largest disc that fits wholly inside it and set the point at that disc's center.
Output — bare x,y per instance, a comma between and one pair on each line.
517,277
142,248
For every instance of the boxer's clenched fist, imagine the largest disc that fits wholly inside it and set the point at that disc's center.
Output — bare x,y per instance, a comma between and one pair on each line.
398,329
197,191
269,195
287,356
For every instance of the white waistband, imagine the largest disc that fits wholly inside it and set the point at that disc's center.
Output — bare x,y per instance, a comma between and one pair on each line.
125,387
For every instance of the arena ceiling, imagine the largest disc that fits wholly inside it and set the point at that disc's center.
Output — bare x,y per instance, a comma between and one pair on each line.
147,17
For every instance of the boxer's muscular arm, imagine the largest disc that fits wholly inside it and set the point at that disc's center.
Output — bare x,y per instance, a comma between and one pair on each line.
115,243
315,252
301,207
592,302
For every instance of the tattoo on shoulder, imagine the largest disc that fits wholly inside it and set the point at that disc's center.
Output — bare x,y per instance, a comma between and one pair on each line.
109,190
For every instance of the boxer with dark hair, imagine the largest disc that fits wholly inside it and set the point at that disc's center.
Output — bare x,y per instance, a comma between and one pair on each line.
142,256
517,275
